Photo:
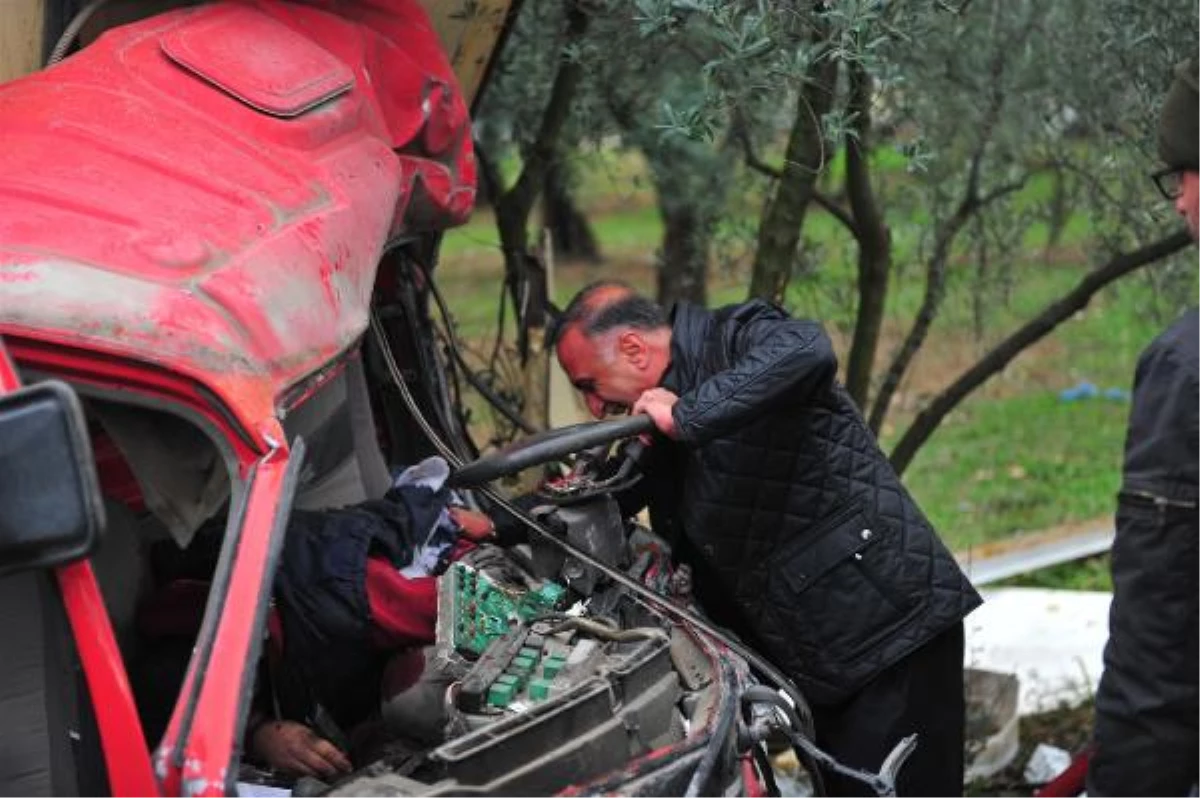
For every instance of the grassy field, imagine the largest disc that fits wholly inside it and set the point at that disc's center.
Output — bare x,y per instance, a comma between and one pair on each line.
1014,457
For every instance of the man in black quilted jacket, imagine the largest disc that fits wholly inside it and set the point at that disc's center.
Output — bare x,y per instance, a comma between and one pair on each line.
800,535
1148,701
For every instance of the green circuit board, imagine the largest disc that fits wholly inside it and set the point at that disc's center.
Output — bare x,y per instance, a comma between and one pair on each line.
483,611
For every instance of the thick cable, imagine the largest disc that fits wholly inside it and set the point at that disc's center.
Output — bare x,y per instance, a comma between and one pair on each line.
800,721
721,735
605,632
72,30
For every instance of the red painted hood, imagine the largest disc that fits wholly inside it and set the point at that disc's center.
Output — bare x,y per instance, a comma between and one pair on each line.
210,190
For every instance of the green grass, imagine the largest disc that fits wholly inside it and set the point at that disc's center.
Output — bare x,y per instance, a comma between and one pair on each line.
1094,573
1001,467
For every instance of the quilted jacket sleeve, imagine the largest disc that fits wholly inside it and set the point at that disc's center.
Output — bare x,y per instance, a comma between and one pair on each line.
774,360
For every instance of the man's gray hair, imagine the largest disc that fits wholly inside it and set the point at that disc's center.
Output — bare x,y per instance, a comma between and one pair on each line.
607,305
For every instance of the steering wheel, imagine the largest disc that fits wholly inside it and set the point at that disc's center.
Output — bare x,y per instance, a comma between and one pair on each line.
548,446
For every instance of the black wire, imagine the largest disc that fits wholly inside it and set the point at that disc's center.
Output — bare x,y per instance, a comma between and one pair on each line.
491,396
456,400
408,301
500,315
451,370
720,737
768,772
800,718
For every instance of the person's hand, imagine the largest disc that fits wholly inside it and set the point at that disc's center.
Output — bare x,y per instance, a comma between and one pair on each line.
657,403
293,748
475,526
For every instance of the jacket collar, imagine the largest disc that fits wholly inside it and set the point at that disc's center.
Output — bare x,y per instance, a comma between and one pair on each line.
689,324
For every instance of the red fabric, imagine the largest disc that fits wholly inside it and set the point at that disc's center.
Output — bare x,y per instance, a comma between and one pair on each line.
403,611
1070,782
462,547
116,478
404,616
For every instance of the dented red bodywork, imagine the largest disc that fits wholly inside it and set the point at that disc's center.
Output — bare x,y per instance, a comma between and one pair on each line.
192,211
209,191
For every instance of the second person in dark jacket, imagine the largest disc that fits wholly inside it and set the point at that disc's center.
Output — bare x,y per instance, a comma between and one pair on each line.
800,534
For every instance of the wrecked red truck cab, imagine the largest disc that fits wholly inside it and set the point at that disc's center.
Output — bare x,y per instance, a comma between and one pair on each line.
201,213
193,213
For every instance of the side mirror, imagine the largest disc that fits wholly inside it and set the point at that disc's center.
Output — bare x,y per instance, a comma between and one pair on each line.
51,512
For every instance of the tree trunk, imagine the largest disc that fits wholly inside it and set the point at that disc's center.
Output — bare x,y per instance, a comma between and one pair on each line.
525,278
807,155
683,261
1060,210
490,185
690,184
874,243
1030,333
931,302
569,229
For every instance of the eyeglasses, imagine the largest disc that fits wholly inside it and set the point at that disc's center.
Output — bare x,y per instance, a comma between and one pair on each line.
1169,182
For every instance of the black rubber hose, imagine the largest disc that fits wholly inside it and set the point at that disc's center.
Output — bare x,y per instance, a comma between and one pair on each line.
800,717
545,447
721,735
768,773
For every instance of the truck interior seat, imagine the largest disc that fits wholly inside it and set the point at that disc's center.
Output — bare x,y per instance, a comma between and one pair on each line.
48,739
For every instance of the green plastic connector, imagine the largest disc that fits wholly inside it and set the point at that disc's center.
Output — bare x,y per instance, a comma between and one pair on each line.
539,689
518,677
551,666
522,664
501,695
482,612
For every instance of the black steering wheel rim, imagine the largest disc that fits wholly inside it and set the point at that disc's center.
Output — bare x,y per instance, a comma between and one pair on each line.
548,446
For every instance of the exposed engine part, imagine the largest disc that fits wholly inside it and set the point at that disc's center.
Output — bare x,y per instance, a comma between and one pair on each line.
595,527
543,699
581,485
883,782
604,631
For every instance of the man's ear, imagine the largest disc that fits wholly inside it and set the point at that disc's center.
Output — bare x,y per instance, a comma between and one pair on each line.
633,348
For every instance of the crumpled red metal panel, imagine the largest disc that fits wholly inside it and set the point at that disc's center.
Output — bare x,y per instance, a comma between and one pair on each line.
148,212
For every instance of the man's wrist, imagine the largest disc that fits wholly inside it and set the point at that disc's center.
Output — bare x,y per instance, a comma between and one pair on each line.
254,725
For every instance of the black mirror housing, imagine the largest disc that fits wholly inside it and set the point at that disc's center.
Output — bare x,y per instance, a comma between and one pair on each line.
51,511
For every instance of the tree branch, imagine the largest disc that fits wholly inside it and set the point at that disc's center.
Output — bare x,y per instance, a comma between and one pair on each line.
873,237
489,174
1002,191
836,211
518,201
753,161
935,273
1030,333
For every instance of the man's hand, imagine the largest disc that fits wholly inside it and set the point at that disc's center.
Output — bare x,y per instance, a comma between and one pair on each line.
657,403
294,748
475,526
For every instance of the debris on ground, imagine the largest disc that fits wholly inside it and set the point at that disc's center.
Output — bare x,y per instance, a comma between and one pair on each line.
1046,763
1066,728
